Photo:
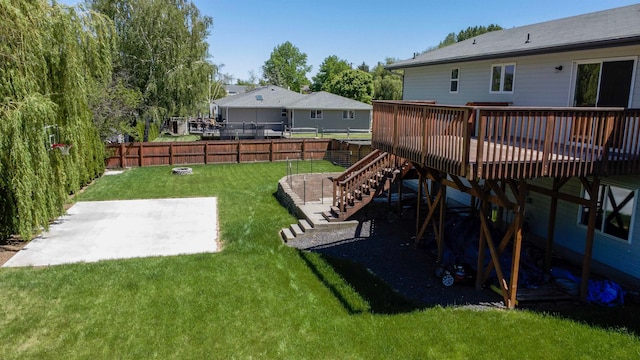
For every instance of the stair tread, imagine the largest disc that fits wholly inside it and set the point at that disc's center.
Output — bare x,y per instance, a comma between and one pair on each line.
305,225
296,229
287,235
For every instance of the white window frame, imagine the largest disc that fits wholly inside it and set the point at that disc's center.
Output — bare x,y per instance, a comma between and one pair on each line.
315,114
574,74
502,66
454,80
283,113
348,112
600,228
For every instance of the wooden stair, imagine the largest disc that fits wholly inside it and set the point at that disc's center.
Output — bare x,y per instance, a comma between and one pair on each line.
362,182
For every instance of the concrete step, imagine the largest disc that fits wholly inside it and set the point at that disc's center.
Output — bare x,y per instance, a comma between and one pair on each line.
296,230
305,225
330,216
287,235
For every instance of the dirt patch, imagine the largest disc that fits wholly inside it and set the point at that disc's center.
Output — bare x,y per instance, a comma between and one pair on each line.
9,249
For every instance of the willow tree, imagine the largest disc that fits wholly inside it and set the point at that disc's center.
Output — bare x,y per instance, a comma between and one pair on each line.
50,55
162,52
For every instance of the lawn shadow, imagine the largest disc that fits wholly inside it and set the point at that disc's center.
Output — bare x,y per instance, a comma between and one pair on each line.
364,292
383,267
380,262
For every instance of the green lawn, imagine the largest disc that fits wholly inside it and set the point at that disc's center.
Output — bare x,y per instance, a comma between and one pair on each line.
176,138
354,136
257,299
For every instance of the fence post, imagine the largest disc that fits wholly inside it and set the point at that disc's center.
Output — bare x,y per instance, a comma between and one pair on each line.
206,156
304,148
122,155
239,153
140,155
271,151
348,132
171,153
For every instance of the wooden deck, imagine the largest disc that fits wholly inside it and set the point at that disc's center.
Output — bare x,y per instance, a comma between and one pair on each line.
498,149
508,142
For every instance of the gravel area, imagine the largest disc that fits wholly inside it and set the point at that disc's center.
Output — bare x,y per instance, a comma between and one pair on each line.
385,245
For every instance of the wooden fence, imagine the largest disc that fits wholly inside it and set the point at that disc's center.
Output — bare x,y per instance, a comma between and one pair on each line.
212,152
342,152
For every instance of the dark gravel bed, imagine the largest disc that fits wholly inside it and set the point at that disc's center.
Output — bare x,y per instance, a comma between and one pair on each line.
384,244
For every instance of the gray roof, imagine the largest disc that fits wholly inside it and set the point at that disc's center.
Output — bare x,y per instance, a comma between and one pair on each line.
328,101
276,97
270,96
614,27
236,89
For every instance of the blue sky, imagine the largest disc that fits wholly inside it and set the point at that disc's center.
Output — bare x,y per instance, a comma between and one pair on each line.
245,32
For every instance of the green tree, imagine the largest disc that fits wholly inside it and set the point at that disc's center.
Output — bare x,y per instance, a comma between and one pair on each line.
52,57
287,67
162,53
330,67
354,84
387,85
467,33
251,82
363,67
114,108
470,32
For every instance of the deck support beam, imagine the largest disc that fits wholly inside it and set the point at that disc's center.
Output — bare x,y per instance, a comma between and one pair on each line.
592,188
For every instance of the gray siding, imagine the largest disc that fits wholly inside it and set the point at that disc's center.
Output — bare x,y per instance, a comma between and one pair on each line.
332,119
537,83
252,115
618,254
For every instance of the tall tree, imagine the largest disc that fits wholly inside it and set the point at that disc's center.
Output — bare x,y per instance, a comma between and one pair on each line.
364,67
354,84
52,56
467,33
387,85
330,67
162,52
286,67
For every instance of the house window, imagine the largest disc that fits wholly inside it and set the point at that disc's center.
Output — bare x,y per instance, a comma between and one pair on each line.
614,213
348,114
502,76
455,74
283,113
316,114
603,83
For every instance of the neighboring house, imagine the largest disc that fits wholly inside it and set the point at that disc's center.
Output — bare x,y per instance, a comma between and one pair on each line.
265,105
235,89
325,110
586,60
274,107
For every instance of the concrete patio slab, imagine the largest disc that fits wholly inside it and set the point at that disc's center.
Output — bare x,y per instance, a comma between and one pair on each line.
100,230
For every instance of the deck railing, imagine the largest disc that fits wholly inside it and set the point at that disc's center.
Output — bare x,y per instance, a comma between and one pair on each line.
510,142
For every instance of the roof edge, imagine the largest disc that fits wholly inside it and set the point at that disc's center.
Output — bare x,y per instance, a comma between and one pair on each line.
600,44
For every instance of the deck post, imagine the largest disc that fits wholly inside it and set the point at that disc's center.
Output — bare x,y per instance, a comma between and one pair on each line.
419,202
551,227
588,250
443,211
482,246
517,245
